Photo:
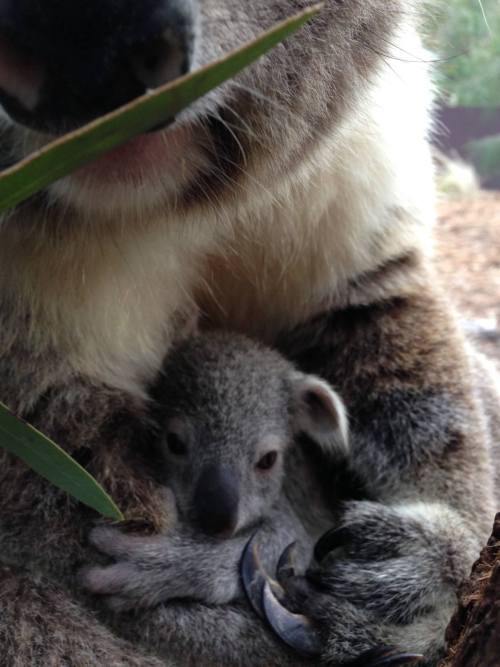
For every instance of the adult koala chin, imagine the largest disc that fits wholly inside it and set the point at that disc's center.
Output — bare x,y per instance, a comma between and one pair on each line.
293,205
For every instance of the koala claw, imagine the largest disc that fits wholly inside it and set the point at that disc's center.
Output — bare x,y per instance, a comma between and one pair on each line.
254,577
330,541
286,564
268,599
297,632
263,593
294,629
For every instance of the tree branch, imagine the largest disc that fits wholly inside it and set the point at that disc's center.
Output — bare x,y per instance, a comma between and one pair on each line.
473,635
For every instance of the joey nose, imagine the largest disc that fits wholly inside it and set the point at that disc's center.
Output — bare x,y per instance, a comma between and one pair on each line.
216,501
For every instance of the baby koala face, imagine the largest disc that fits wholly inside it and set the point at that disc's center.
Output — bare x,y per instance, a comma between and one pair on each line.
229,409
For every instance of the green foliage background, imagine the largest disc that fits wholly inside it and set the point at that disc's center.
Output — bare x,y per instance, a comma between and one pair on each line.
465,35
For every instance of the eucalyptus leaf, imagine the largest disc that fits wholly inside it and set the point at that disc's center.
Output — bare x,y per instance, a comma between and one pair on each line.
50,461
80,147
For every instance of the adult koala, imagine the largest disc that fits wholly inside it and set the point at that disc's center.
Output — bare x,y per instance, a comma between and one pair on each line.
293,205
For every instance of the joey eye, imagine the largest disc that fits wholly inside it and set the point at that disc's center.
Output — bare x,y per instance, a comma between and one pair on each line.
176,445
267,461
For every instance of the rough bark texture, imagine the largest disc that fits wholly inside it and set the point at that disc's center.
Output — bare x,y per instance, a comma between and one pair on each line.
474,632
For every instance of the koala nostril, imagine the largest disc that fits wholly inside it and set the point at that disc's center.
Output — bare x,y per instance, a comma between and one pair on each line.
161,60
21,77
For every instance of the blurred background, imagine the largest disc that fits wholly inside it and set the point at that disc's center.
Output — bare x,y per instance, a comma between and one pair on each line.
464,38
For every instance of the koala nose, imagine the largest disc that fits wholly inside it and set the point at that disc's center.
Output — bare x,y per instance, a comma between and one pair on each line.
65,63
216,500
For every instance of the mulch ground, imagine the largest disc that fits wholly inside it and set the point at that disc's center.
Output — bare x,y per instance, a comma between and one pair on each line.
468,259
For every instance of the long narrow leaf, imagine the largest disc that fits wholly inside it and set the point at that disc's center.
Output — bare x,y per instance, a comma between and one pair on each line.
85,144
51,462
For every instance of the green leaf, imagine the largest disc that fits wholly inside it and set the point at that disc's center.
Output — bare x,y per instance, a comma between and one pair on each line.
97,138
51,462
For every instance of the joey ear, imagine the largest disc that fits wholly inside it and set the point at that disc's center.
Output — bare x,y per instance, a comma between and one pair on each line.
320,413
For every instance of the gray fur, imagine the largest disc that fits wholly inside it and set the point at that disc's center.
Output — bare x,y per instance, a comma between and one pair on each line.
295,212
232,402
229,402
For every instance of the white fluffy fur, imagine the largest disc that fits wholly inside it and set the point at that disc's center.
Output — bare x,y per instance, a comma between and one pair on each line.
254,264
331,429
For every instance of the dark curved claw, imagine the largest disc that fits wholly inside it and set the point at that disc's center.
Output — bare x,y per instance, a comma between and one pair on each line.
286,564
332,539
252,574
386,656
294,629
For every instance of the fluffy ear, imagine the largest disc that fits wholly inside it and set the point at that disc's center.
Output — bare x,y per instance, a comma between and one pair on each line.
320,413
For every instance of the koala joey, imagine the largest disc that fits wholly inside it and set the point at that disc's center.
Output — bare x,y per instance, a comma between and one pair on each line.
231,409
229,412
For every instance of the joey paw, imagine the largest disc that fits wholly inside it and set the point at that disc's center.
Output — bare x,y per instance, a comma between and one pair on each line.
138,577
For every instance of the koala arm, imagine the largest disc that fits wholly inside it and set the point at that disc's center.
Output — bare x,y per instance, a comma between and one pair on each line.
185,563
153,569
185,593
388,571
152,573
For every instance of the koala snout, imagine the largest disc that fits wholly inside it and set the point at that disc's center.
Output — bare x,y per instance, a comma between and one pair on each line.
216,501
65,63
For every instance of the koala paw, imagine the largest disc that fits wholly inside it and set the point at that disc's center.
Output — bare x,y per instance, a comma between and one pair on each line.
131,581
149,570
372,577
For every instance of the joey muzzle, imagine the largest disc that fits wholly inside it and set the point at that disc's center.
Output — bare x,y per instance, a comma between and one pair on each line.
216,501
64,63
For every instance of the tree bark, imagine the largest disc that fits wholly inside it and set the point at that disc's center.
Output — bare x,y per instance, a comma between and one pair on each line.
473,635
